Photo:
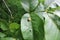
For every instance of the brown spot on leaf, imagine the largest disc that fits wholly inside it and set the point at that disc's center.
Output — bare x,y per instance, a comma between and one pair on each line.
29,19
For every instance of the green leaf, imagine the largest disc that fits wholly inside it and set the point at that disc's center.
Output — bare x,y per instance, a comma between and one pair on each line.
36,24
51,30
3,26
2,35
49,2
8,38
57,12
57,2
26,27
38,27
40,8
13,27
52,4
41,1
56,20
29,5
40,14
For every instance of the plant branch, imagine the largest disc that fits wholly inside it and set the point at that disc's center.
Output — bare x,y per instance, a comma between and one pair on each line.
7,8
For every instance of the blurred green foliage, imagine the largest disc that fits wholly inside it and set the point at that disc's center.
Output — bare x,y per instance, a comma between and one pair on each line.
29,20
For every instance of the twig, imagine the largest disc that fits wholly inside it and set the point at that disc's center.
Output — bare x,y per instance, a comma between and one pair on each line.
7,8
